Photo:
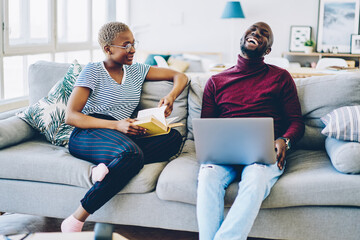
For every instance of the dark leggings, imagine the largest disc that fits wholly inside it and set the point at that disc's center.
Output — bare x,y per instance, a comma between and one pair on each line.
124,157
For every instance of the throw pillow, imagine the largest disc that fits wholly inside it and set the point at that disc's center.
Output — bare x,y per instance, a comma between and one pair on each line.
48,114
195,62
151,61
343,123
178,65
344,155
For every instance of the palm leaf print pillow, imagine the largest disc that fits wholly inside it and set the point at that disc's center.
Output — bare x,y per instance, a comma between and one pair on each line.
48,114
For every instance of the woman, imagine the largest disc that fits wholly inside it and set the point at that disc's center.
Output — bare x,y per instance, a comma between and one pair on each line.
104,97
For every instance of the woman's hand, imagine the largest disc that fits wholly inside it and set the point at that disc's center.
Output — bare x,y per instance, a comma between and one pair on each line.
128,127
280,147
168,101
180,80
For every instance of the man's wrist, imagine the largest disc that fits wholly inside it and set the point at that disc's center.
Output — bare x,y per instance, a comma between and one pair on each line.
287,142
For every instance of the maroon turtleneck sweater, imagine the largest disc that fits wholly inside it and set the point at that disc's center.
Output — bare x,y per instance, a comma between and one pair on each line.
255,89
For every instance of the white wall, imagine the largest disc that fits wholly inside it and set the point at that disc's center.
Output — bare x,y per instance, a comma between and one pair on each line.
195,25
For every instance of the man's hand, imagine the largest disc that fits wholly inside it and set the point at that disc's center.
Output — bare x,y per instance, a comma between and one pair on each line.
126,126
280,147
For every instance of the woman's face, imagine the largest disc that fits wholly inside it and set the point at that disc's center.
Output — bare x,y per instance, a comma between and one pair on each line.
117,50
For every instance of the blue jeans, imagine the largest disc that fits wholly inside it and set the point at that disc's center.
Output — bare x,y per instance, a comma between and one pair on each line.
255,185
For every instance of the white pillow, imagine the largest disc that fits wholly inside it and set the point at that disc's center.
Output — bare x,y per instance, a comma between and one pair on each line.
161,62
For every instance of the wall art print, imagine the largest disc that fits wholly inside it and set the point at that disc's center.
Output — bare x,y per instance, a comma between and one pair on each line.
337,20
298,36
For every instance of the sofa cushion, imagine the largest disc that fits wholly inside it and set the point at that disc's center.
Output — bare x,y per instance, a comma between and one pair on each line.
178,181
312,139
322,94
14,130
153,91
344,155
48,114
38,160
196,90
42,77
343,123
309,179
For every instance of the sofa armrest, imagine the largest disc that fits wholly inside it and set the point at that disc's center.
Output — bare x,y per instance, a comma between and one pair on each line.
10,113
13,130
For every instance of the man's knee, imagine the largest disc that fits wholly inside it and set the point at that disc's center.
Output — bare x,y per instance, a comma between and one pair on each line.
208,174
255,176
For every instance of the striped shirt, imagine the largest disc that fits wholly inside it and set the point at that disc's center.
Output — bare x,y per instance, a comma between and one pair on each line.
109,97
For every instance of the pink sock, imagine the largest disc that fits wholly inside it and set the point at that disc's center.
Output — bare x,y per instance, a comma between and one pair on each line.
71,224
99,172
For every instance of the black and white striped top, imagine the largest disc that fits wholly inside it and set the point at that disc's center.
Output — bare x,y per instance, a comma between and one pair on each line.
109,97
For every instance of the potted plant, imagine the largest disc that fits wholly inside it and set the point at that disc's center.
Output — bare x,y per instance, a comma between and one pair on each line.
309,46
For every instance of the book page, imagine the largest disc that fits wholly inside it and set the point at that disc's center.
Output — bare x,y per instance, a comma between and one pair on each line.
170,120
158,113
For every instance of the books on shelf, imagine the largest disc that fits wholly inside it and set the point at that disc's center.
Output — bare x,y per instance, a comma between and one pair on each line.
154,121
338,68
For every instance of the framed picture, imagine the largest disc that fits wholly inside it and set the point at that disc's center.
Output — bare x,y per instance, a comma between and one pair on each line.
298,36
355,44
337,20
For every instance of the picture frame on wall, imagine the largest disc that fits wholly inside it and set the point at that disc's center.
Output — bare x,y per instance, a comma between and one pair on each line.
337,20
298,36
355,44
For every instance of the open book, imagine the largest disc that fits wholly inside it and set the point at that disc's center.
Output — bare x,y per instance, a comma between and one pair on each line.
153,119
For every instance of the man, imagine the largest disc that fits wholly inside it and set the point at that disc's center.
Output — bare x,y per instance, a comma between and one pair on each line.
251,88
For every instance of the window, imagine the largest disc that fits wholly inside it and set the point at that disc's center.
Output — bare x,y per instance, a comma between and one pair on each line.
25,28
49,30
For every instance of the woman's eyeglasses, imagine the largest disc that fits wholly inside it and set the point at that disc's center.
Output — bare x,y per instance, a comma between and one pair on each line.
128,46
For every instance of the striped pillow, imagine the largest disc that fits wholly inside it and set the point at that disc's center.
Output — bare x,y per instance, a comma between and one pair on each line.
343,123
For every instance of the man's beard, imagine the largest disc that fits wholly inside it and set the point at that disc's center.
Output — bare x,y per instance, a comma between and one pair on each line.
257,53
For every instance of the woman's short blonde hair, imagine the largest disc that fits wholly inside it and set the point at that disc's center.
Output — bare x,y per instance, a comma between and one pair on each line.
109,31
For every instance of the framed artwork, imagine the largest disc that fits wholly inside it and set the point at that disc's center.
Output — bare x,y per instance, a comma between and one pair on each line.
355,44
337,20
298,36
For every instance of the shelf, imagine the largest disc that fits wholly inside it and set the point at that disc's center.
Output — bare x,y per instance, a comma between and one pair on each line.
320,55
346,56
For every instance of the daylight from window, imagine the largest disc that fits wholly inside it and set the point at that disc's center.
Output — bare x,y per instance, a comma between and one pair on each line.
30,36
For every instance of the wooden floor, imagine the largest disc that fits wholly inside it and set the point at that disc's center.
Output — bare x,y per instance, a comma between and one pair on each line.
11,224
19,223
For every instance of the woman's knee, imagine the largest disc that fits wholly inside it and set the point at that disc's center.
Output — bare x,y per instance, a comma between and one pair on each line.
129,156
175,139
175,135
136,158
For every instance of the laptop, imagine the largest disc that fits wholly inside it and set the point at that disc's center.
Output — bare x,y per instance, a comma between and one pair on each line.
234,140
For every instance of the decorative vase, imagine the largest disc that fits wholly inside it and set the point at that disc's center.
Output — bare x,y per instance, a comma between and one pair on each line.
308,49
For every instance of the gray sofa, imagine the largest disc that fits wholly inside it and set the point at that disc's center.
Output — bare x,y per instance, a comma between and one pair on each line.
312,200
